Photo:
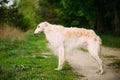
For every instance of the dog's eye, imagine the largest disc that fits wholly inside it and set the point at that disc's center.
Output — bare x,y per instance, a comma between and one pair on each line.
38,26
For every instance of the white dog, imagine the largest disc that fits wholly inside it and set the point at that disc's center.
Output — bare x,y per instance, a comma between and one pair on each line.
67,38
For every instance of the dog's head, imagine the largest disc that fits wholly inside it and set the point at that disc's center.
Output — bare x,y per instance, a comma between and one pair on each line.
41,27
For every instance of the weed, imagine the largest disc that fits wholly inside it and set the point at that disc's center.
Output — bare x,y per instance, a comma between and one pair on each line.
109,56
84,50
115,64
11,33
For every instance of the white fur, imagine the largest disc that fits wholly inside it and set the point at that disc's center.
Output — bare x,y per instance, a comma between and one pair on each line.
64,39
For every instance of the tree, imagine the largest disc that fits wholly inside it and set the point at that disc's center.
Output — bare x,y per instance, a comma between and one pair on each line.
46,11
83,13
21,14
116,9
28,9
71,13
3,11
101,15
3,2
99,4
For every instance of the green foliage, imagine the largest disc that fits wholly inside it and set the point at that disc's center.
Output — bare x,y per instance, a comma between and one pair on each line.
4,14
11,16
28,9
96,14
19,20
100,15
23,60
75,13
70,14
3,2
46,11
20,14
110,40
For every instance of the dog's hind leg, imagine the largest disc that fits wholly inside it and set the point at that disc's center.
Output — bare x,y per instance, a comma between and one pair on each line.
99,61
94,50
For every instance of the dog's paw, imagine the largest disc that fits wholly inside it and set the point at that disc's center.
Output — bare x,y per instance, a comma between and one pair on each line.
58,69
100,72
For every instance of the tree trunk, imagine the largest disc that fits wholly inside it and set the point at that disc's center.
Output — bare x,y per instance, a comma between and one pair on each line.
100,17
116,17
100,24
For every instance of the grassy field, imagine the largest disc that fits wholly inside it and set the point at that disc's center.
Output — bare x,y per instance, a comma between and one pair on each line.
23,60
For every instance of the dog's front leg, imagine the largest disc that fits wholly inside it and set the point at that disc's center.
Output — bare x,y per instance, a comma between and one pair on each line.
61,58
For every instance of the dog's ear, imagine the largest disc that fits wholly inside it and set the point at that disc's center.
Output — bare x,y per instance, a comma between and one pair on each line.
47,26
46,23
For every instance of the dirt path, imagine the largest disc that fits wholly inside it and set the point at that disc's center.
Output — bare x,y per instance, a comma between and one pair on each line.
84,64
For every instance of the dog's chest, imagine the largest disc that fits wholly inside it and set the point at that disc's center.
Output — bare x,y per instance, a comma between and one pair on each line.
55,38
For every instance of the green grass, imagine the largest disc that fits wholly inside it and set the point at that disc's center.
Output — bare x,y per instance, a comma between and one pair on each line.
22,60
109,56
110,40
84,50
115,64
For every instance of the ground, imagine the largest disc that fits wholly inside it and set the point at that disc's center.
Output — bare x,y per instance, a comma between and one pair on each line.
84,64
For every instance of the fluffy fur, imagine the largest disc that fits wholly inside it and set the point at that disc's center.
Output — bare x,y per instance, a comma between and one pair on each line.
64,39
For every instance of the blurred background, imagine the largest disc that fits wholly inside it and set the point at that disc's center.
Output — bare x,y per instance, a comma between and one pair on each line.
101,15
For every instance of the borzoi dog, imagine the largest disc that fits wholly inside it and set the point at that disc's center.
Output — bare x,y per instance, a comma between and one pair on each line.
65,38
